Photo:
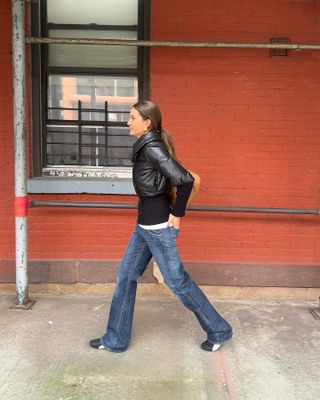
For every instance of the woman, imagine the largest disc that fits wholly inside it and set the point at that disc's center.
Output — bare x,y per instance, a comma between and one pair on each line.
155,171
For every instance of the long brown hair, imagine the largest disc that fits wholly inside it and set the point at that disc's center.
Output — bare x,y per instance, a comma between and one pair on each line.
149,110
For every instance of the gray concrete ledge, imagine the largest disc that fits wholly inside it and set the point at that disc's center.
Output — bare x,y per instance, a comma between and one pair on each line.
119,186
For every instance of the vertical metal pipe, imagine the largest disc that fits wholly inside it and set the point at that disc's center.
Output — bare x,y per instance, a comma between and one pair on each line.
80,131
106,137
19,113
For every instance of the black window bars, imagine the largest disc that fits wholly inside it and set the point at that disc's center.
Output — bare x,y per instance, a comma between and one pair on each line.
89,139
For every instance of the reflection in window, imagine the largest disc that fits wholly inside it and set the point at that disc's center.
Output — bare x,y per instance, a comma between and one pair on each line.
87,118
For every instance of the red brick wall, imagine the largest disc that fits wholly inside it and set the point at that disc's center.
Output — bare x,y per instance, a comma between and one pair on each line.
248,123
6,135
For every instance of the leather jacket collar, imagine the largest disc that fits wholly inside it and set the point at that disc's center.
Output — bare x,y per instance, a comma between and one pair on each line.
143,140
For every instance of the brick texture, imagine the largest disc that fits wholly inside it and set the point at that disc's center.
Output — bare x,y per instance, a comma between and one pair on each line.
6,135
246,122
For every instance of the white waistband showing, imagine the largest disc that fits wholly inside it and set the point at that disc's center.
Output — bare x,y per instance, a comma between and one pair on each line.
163,225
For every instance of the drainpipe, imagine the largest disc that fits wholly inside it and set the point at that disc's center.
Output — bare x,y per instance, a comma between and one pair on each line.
19,119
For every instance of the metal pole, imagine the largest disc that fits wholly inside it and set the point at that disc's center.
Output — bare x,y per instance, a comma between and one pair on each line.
158,43
19,115
129,206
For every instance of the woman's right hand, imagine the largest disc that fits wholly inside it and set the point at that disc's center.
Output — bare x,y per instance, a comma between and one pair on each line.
174,221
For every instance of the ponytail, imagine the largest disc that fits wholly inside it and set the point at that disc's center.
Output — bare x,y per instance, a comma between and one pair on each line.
168,141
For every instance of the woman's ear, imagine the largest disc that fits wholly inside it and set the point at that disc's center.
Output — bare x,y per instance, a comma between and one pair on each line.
148,123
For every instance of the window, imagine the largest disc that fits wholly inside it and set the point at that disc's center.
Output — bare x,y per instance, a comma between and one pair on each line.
82,94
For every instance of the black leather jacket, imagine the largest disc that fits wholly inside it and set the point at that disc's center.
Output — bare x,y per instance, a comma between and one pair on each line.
154,170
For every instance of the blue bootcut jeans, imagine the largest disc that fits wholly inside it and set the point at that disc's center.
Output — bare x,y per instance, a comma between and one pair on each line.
161,244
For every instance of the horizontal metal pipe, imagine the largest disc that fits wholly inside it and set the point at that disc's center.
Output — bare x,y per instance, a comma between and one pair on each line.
191,208
158,43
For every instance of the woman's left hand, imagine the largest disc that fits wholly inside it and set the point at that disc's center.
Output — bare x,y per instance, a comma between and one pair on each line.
174,221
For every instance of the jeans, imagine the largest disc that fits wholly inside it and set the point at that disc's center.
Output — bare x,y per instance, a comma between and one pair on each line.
161,244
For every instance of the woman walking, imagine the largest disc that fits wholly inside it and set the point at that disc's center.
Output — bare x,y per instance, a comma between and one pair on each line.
155,171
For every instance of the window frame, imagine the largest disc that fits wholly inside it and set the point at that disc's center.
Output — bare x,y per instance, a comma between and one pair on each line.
40,72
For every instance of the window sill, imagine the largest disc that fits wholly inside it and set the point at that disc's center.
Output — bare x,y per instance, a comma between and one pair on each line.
121,186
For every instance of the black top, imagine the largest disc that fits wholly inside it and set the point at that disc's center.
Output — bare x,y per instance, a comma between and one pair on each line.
155,210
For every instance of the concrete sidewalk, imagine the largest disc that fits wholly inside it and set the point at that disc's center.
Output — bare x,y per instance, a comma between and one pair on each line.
44,353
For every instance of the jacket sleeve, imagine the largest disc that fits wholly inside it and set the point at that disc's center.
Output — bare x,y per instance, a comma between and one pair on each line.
183,193
161,160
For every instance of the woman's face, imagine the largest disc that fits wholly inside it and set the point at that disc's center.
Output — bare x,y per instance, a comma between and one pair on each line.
138,126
